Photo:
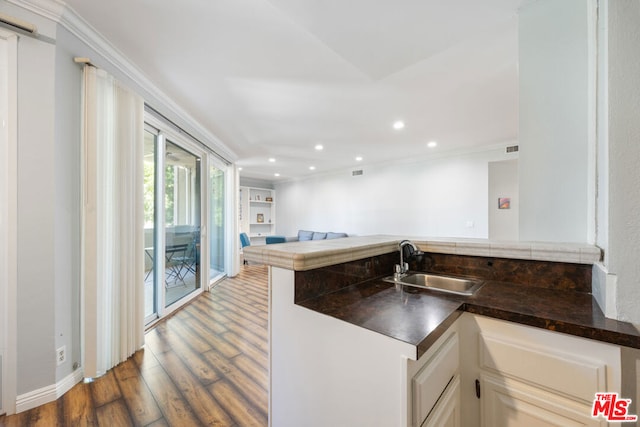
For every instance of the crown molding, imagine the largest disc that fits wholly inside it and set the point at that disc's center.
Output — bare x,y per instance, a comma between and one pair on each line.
50,9
68,18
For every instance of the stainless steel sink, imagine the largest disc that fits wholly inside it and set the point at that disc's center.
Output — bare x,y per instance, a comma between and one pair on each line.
436,282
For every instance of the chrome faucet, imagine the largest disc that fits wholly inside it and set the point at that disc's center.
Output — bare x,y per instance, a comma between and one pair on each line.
403,267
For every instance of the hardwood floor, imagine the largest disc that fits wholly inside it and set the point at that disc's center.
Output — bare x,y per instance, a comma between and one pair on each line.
206,365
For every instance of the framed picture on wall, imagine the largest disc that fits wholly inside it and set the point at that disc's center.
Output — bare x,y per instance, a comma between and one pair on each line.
260,218
504,202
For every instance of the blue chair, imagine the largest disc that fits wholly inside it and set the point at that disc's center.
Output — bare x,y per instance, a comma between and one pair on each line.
275,239
244,241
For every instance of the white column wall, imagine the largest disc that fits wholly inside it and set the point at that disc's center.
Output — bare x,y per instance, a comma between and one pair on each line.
624,155
554,162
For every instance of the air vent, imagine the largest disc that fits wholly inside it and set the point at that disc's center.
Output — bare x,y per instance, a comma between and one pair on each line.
512,149
357,172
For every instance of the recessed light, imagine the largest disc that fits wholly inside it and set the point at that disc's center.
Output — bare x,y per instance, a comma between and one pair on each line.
359,159
312,168
271,159
398,125
319,147
239,169
432,144
276,174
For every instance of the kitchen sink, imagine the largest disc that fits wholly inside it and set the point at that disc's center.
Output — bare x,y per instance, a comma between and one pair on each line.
436,282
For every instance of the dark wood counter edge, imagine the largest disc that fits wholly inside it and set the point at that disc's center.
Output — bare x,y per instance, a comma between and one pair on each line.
595,333
583,331
428,341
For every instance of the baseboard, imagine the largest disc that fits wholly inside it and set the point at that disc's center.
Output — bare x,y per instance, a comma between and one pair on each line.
68,382
47,394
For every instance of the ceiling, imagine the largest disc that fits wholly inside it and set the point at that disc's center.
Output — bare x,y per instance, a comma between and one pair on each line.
272,79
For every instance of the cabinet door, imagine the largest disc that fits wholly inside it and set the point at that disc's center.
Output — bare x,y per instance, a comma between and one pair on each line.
509,403
431,381
446,413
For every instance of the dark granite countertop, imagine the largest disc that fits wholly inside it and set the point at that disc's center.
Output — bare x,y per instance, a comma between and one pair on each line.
420,316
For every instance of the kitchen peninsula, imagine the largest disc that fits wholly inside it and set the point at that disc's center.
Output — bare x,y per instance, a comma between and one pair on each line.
347,348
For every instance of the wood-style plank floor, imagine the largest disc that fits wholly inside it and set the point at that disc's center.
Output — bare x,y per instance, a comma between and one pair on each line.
205,365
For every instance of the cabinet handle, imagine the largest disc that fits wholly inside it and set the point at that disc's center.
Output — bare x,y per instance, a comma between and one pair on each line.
478,389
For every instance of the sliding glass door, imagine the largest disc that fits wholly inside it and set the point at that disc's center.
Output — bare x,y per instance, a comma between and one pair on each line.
150,288
216,222
173,211
185,220
182,222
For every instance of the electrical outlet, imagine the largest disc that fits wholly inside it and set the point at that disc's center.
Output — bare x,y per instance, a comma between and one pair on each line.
61,355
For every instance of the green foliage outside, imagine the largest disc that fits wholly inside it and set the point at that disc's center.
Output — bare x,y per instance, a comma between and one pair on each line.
149,184
169,174
149,193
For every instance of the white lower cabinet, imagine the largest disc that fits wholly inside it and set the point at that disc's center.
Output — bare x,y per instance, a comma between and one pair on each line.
343,375
432,380
535,377
446,413
485,372
507,402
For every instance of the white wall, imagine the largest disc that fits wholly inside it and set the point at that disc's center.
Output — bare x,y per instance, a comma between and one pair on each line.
554,158
503,182
602,137
48,206
437,197
36,214
623,189
67,207
6,215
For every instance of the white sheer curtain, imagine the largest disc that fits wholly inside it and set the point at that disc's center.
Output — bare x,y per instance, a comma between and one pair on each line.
112,223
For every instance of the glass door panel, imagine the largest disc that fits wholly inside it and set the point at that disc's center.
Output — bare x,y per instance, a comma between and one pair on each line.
150,288
177,204
182,223
216,222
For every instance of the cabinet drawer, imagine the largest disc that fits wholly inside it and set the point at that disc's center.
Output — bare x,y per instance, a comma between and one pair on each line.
446,413
567,373
429,383
508,402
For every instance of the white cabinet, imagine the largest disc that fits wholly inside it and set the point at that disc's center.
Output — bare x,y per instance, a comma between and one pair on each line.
508,402
446,413
434,393
257,213
530,376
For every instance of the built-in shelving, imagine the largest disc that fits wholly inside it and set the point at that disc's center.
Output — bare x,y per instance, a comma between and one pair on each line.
257,213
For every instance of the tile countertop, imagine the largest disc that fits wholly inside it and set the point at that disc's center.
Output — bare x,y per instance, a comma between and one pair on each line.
419,316
307,255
